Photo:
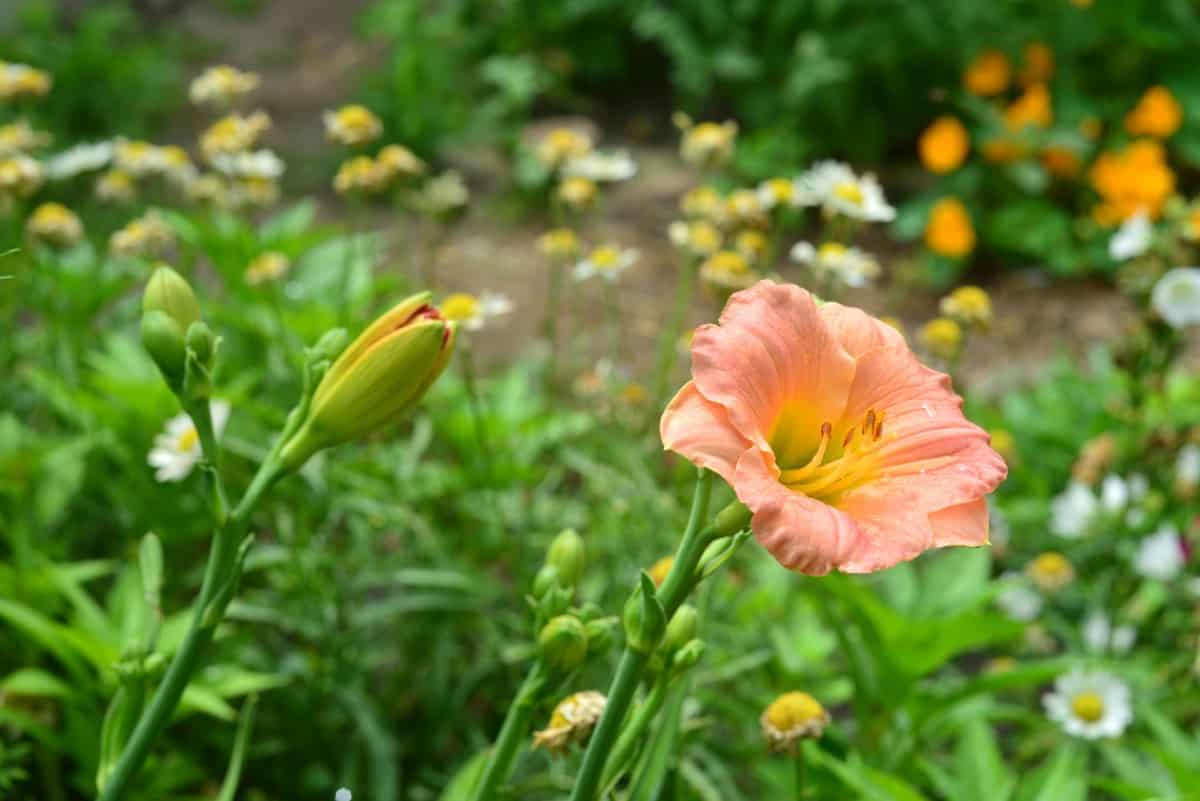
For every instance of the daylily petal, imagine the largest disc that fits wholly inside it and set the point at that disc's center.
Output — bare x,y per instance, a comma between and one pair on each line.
699,430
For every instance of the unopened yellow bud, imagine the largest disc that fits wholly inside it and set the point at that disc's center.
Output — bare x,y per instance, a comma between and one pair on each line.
380,376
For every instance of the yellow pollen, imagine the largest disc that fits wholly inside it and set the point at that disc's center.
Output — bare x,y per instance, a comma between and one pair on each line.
850,192
1088,706
832,250
188,439
828,475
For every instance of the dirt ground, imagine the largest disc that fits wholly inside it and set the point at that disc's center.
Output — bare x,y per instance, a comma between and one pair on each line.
311,59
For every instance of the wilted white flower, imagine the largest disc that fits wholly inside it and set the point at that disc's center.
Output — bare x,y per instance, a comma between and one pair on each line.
1090,705
834,262
1100,636
606,261
838,190
79,159
1072,510
1019,600
249,164
177,449
1160,555
603,167
1132,239
1176,297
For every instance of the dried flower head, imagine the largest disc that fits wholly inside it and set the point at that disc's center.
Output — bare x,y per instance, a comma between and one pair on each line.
790,718
571,722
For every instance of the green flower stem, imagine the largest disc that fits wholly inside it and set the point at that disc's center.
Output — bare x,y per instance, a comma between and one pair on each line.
512,734
627,741
674,590
801,771
188,658
685,292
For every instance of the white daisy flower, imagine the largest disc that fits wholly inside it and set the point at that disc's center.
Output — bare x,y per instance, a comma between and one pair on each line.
1115,493
838,190
1100,636
177,449
1160,556
848,266
343,794
1072,510
1132,239
1187,466
1176,297
473,312
606,261
249,164
81,158
603,167
1090,705
1019,600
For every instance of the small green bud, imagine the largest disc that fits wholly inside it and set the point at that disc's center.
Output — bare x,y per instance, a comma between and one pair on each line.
566,554
555,600
732,519
329,346
169,292
563,643
601,634
163,339
681,629
546,579
380,376
688,655
644,617
201,342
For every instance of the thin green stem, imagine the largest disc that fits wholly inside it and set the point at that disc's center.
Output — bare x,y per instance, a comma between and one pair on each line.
627,742
512,734
675,588
801,771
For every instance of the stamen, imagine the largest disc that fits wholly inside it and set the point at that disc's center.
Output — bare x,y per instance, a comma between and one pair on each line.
858,460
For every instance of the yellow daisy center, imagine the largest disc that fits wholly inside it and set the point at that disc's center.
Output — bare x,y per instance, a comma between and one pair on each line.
850,192
1088,706
605,258
460,306
188,439
832,250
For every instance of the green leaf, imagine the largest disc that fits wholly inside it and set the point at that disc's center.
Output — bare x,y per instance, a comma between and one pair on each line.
1061,778
35,682
460,787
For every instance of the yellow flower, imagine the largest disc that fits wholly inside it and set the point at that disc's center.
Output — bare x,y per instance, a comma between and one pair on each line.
659,570
969,305
560,244
352,125
397,160
701,201
698,237
147,237
1030,109
471,312
1060,161
234,134
728,271
708,144
776,192
359,174
116,186
1050,571
942,337
577,192
1004,443
54,224
22,80
1039,64
269,266
1128,180
949,231
20,137
943,145
751,243
20,176
743,205
988,74
1157,114
222,85
790,718
561,145
571,722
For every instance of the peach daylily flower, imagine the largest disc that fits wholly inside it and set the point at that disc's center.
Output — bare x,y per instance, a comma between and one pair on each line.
851,454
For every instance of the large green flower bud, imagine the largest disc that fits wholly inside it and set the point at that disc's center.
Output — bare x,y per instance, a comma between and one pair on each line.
169,308
380,376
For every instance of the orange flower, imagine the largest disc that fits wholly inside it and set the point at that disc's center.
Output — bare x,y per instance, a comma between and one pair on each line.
1157,114
1039,64
1060,161
1031,108
944,144
1136,177
850,453
949,231
989,74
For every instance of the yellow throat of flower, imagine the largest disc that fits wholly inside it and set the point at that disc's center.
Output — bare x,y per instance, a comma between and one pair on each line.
1088,706
844,459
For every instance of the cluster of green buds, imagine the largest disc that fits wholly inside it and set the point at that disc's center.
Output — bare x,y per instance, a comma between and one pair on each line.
680,649
567,636
175,336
